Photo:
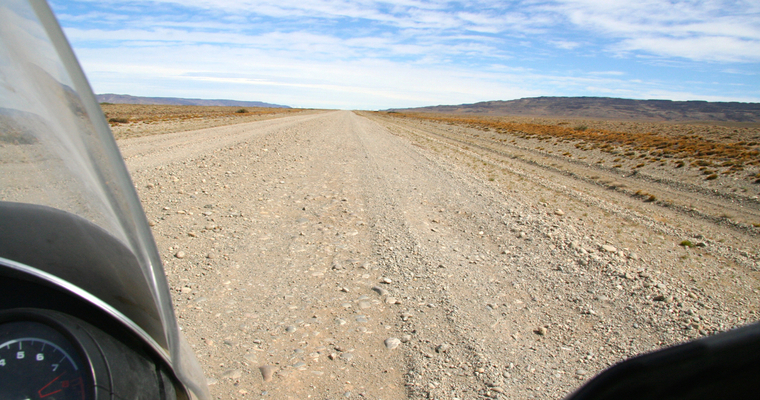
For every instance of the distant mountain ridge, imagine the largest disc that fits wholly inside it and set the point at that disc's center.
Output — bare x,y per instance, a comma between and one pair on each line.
606,108
176,101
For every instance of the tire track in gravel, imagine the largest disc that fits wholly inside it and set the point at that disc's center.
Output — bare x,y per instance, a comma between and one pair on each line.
304,245
277,254
686,212
441,355
149,151
543,281
687,199
478,294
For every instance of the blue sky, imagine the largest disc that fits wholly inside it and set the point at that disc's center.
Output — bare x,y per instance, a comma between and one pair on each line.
380,54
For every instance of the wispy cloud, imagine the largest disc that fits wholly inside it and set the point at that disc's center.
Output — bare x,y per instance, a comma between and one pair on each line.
716,49
376,54
564,44
718,30
611,73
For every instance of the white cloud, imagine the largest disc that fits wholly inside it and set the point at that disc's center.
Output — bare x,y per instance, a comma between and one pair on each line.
373,54
625,25
260,75
714,31
564,44
609,73
718,49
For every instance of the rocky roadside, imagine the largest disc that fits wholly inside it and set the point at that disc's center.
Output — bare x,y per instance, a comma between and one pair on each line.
323,256
136,120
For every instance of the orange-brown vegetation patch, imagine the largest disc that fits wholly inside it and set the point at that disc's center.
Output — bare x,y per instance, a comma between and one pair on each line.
132,113
135,120
701,145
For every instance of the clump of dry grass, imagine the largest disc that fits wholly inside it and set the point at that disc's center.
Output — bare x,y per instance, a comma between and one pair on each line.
114,121
647,197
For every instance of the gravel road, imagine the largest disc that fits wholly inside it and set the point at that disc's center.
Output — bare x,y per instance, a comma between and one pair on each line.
333,255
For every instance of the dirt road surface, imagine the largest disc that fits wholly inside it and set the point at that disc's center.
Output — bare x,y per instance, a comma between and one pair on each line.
338,255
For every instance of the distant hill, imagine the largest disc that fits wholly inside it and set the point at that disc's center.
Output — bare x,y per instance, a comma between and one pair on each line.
175,101
607,108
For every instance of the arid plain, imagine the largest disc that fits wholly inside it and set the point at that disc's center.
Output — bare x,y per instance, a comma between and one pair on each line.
337,254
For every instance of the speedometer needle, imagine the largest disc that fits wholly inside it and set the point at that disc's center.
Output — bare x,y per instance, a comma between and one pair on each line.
45,387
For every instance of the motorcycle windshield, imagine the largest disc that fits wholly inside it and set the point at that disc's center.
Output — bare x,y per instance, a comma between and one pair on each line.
57,152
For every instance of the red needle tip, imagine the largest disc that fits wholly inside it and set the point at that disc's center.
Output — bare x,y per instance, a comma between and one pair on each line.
49,383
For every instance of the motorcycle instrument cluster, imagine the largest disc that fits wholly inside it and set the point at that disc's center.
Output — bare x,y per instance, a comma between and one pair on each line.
37,361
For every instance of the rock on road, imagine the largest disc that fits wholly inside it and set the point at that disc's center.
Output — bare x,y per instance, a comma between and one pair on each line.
321,256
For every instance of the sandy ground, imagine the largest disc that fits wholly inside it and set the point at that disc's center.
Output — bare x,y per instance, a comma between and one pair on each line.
357,255
135,120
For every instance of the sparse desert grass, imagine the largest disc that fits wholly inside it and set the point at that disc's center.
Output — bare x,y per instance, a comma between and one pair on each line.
120,120
657,177
647,197
135,120
721,148
147,113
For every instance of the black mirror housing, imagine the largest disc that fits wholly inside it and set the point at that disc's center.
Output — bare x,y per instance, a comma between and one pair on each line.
724,366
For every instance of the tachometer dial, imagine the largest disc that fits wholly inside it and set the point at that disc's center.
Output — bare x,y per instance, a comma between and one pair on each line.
38,362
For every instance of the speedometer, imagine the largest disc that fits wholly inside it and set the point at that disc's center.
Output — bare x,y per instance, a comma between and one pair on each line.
39,362
52,355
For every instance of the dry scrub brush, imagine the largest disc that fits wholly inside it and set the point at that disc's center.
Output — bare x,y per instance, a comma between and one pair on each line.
125,113
647,145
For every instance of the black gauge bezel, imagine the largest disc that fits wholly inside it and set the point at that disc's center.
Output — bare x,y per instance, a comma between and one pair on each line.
67,328
108,344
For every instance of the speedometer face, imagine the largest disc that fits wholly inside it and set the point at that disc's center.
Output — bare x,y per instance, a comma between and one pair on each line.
37,362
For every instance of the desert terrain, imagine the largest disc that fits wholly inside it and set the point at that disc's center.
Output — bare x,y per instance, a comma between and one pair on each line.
606,108
134,120
356,255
